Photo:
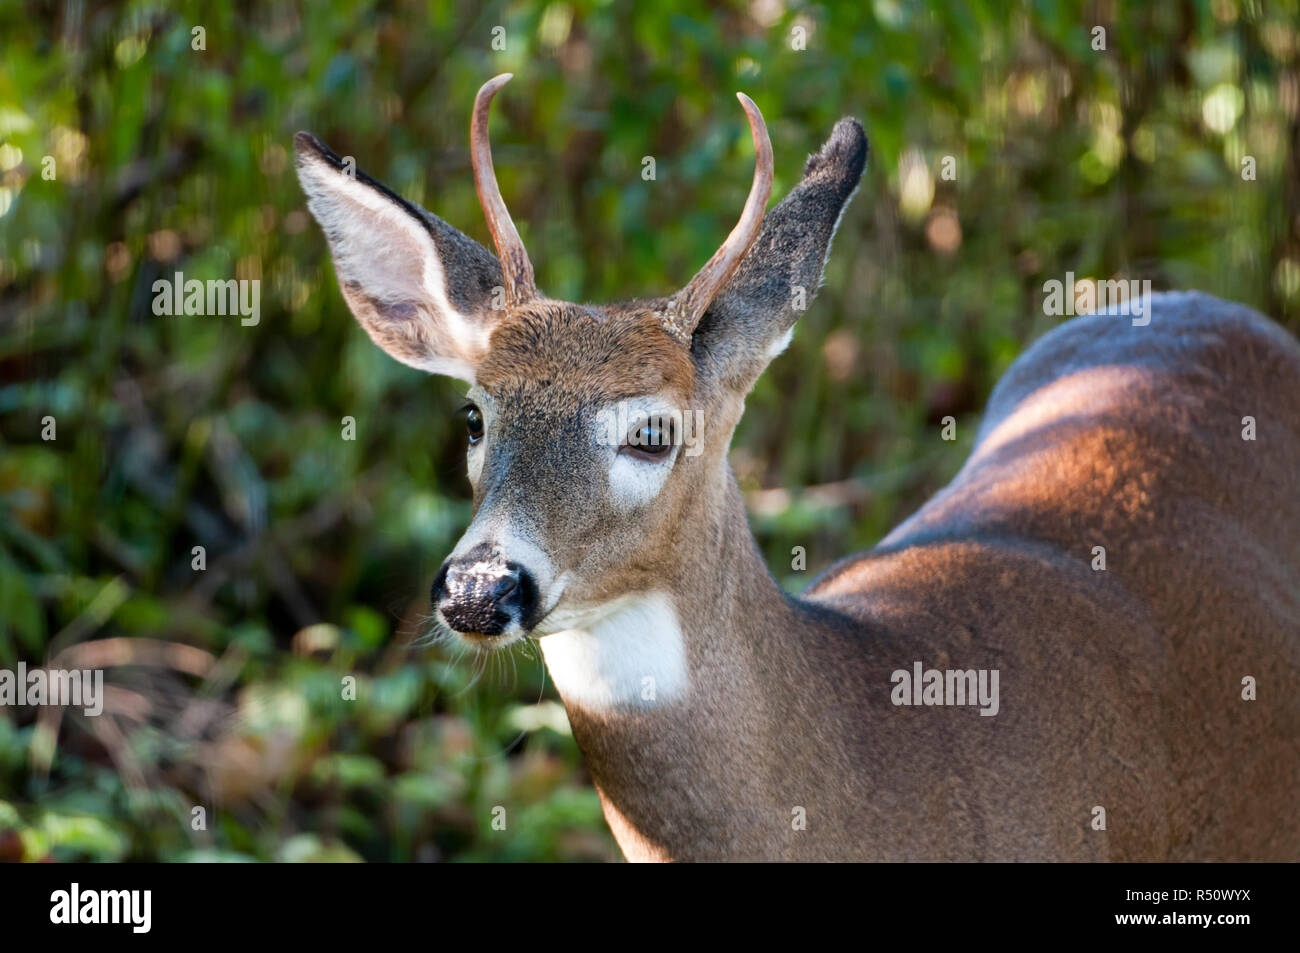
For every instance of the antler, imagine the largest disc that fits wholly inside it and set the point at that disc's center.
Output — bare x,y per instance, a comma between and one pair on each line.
516,269
688,305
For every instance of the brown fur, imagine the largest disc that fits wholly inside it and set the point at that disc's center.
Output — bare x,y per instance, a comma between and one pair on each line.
587,355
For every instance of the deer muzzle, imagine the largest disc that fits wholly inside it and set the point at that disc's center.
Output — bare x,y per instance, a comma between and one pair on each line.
482,594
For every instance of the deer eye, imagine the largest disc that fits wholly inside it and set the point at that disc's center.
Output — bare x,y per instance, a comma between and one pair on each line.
473,423
650,440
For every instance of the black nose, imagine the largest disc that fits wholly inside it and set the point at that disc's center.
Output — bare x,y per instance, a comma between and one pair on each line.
480,593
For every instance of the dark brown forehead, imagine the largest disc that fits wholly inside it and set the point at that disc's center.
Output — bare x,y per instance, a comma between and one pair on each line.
593,354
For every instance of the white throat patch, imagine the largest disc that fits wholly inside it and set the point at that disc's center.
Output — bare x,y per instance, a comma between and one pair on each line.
627,654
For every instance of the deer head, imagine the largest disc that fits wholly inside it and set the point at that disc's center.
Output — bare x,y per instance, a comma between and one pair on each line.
597,433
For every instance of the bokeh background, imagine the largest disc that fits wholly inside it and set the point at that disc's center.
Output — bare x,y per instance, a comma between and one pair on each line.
176,432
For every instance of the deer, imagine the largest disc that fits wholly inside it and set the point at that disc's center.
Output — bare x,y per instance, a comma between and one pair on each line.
1145,711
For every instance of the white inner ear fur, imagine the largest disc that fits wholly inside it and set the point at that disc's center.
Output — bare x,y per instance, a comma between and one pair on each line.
780,344
628,654
392,257
634,482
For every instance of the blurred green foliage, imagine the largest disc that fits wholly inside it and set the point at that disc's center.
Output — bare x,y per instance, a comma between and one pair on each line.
176,432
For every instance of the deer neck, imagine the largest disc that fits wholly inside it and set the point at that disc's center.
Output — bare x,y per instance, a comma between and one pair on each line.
666,689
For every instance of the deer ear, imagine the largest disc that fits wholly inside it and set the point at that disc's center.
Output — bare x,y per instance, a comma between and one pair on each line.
422,290
751,319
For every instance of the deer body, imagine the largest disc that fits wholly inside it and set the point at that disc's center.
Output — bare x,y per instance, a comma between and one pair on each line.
1119,688
723,719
